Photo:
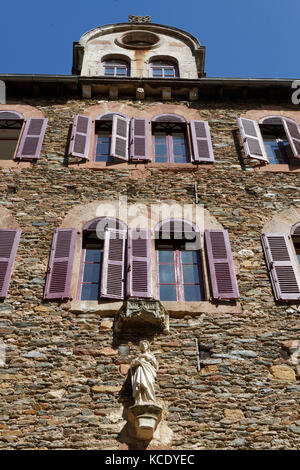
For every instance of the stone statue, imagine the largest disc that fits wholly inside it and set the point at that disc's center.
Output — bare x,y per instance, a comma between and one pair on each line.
143,373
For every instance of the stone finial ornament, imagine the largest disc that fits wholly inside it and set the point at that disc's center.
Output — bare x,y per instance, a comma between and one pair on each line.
139,19
143,374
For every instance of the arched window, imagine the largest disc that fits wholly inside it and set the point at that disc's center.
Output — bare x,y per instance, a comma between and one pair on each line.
273,139
163,69
20,142
11,124
170,144
103,151
91,270
115,68
179,264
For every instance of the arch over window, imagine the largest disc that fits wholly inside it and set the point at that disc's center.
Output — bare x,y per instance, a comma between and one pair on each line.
11,115
295,230
163,68
109,116
169,118
114,66
177,226
105,222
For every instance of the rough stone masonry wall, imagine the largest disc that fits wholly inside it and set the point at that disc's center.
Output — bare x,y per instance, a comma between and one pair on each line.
63,383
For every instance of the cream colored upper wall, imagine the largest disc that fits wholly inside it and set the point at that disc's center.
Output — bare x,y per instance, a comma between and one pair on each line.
99,45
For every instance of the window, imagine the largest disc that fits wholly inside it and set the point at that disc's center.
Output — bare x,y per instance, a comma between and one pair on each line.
274,139
115,68
282,254
9,241
20,141
171,142
163,69
117,137
10,129
115,262
179,273
92,256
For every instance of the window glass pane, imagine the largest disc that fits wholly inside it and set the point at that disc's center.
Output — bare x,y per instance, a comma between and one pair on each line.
189,256
90,292
91,272
165,256
157,72
193,293
167,293
180,159
166,274
276,156
93,255
169,72
121,70
190,274
109,70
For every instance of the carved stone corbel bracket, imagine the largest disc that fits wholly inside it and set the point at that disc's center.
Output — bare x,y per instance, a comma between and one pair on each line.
140,313
145,419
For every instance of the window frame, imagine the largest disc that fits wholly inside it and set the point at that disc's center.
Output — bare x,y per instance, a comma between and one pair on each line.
17,117
164,65
115,63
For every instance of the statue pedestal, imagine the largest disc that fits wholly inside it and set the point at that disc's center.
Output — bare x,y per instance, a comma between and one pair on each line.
145,419
142,315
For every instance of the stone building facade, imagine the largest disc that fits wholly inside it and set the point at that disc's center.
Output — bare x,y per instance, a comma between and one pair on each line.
138,127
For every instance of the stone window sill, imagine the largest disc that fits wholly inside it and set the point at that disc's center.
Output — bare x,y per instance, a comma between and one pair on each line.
136,166
283,168
14,164
175,309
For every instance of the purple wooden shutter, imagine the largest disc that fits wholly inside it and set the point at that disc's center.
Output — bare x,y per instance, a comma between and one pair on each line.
9,241
32,138
139,263
201,139
252,139
119,138
113,267
281,265
139,139
80,137
221,267
293,134
59,273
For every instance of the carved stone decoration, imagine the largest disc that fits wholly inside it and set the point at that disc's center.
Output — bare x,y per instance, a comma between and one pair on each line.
145,413
139,19
142,313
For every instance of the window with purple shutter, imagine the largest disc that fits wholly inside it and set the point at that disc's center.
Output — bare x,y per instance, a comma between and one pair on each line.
293,134
252,139
113,268
281,264
9,241
139,139
139,263
120,137
59,273
32,138
80,137
201,140
220,263
91,266
10,128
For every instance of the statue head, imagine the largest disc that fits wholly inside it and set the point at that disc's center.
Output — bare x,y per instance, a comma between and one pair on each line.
144,345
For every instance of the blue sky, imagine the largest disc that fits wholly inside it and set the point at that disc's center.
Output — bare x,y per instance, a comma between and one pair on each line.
257,38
